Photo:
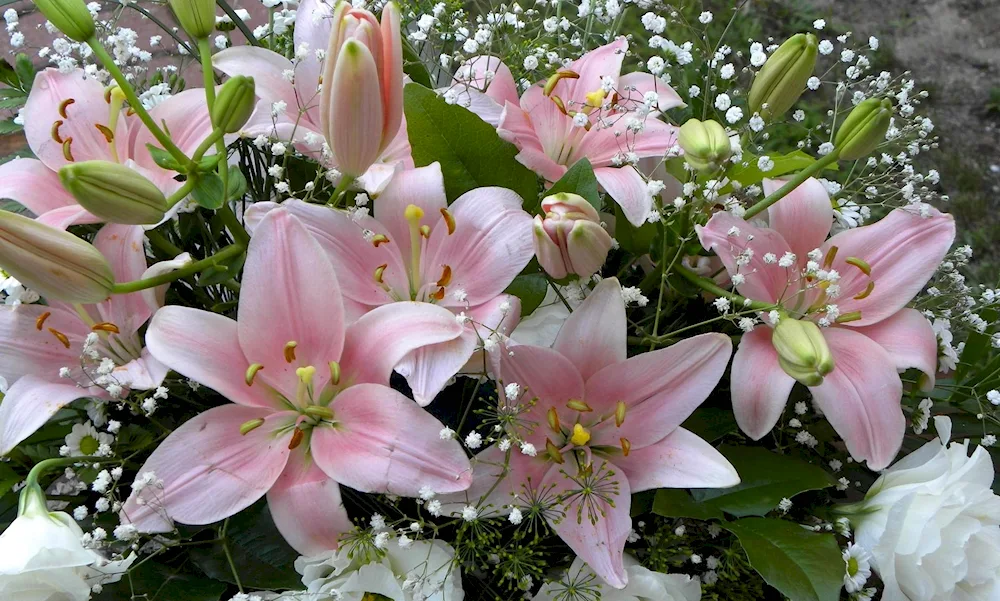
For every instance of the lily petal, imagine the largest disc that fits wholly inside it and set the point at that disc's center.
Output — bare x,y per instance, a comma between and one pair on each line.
29,350
681,460
909,339
423,187
122,246
543,373
635,85
760,387
306,507
29,403
626,187
593,336
268,69
32,184
803,217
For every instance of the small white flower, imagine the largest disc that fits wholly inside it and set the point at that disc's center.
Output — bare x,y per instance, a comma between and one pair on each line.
705,18
474,440
515,516
446,433
857,568
469,513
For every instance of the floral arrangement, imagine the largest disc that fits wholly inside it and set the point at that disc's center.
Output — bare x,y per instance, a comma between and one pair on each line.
418,302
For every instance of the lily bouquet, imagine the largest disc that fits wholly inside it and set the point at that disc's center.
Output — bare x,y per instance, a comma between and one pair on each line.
439,301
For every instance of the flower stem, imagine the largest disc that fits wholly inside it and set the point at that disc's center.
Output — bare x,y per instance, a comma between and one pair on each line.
225,254
208,78
31,482
709,286
236,228
182,192
342,186
793,183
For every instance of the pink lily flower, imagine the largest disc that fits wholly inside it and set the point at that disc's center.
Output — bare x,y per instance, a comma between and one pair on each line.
617,127
856,287
303,111
68,118
604,426
311,403
417,248
42,340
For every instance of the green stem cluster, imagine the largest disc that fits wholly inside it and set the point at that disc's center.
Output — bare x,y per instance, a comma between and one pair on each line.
230,252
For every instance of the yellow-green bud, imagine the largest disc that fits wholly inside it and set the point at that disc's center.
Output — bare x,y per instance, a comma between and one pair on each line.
197,17
55,263
70,17
864,128
114,192
782,79
234,104
706,144
802,350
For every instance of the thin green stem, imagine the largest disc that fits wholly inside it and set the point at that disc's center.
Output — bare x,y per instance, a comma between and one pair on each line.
182,192
215,136
344,183
225,254
709,286
229,556
159,241
232,222
208,79
109,63
253,41
793,183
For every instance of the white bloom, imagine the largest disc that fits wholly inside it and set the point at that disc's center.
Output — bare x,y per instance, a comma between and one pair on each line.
413,572
857,568
932,523
84,439
643,584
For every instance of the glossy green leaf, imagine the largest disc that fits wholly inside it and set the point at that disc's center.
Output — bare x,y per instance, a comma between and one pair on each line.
747,172
580,180
677,503
711,423
154,581
414,67
208,192
531,289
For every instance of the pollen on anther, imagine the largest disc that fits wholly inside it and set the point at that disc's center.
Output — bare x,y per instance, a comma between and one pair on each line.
379,271
378,239
626,446
445,276
425,231
67,150
449,221
55,131
251,374
60,337
868,290
297,436
105,326
106,131
290,351
40,321
63,105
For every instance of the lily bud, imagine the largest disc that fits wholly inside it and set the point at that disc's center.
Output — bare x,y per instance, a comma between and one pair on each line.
361,104
56,264
234,103
70,17
569,239
802,350
197,17
864,128
114,192
782,79
706,144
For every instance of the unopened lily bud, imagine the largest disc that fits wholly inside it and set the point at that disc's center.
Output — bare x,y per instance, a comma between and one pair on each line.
234,104
55,263
569,239
706,144
197,17
802,350
70,17
864,128
782,79
114,192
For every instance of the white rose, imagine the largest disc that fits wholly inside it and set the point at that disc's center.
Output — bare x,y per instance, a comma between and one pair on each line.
42,557
932,524
423,570
643,585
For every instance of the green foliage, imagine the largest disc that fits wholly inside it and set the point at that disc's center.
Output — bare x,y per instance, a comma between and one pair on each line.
530,288
154,581
579,180
208,191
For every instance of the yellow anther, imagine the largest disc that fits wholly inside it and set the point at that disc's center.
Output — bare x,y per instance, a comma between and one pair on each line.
290,351
67,150
847,317
378,239
379,271
620,413
554,79
305,374
868,290
413,213
445,276
108,134
251,425
580,435
251,374
40,321
553,451
105,326
334,373
60,337
63,105
830,256
297,436
425,231
553,419
319,411
578,405
559,104
626,446
860,264
55,131
449,220
596,98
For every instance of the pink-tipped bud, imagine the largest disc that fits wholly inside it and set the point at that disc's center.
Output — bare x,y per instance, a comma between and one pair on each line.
361,105
569,240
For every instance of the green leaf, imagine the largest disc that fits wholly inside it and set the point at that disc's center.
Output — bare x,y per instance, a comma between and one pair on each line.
531,289
13,206
222,272
8,478
414,67
9,127
579,179
7,74
25,71
711,423
802,565
237,182
153,581
766,478
471,153
636,240
163,158
746,171
208,191
677,503
12,103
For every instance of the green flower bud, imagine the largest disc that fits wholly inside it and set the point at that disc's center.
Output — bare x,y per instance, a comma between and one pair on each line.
70,17
197,17
706,144
234,104
114,192
55,263
864,128
782,79
802,350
